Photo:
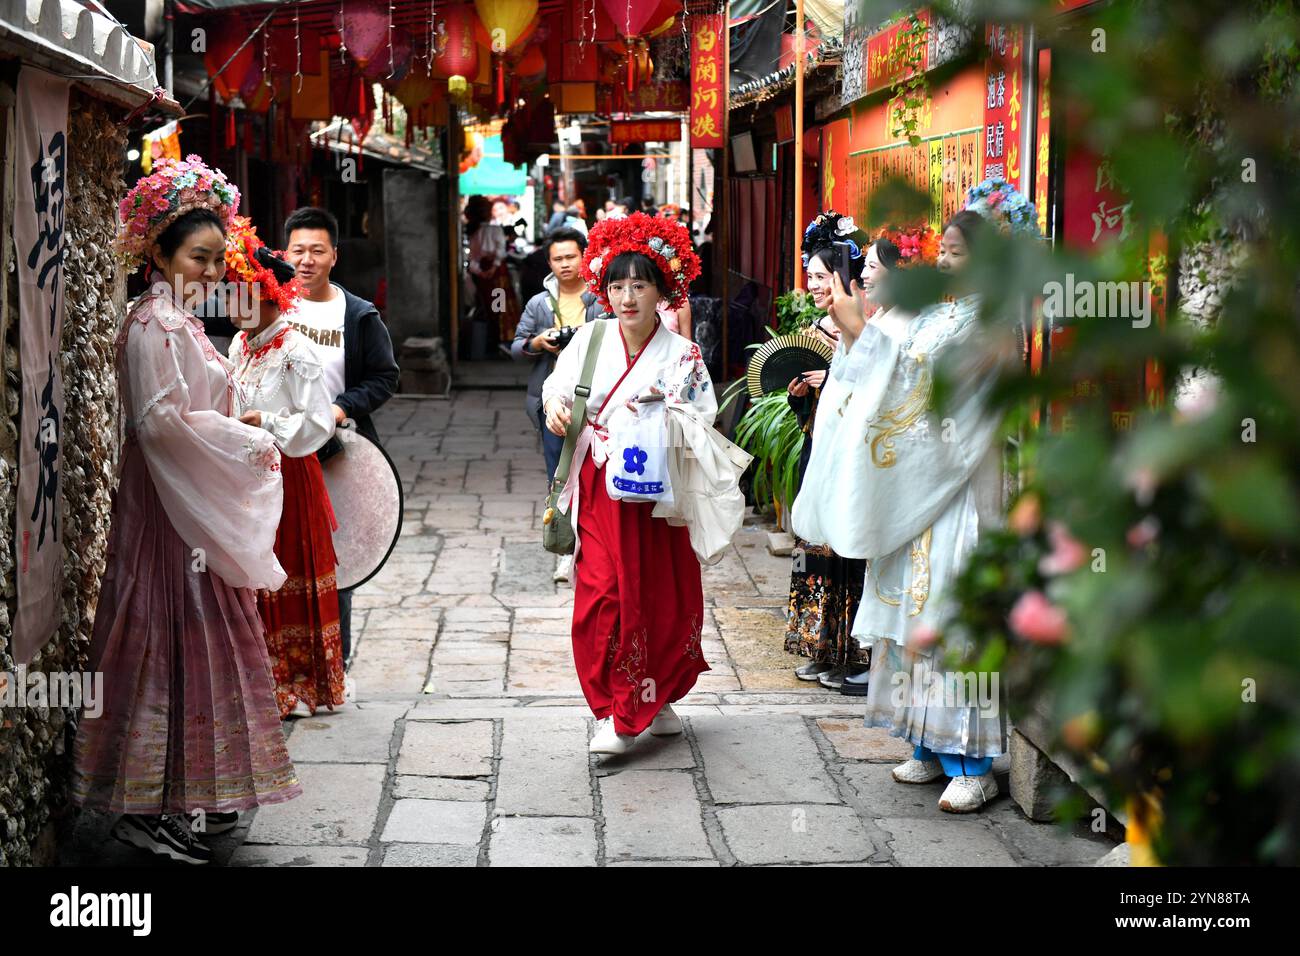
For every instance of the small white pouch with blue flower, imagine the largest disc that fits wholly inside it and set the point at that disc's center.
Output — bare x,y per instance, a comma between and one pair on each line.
637,469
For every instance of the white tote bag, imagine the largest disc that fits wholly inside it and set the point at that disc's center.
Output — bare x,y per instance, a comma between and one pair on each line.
637,469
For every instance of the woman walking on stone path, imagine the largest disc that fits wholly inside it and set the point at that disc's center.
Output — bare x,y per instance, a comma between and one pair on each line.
285,394
916,494
638,600
189,721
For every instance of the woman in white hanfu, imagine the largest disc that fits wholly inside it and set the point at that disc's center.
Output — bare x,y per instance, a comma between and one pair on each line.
914,491
638,601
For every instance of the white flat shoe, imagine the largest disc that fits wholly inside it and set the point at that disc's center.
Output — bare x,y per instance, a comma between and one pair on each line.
301,710
666,723
918,771
608,741
563,568
968,794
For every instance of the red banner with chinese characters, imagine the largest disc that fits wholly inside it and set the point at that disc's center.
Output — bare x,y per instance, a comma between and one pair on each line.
651,97
708,89
1003,115
642,131
1043,162
884,64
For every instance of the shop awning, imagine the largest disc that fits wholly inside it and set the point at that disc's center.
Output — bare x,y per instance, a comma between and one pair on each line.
66,38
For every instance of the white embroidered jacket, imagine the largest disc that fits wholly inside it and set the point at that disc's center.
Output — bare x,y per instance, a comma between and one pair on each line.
280,376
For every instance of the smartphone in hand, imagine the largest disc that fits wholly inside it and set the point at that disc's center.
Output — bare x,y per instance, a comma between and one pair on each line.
844,264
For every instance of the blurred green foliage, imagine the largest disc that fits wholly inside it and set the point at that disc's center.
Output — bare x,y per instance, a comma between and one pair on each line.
1180,677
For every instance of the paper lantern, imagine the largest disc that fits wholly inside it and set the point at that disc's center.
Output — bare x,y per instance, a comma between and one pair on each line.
531,63
505,23
363,25
224,39
457,58
379,67
633,18
515,19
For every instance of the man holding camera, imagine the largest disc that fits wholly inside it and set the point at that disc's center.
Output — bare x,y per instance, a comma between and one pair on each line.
550,318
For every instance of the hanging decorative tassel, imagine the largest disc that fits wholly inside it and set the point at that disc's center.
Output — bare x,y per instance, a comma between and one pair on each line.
501,81
230,128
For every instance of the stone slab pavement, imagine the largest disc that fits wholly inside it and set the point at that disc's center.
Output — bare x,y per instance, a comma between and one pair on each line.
468,744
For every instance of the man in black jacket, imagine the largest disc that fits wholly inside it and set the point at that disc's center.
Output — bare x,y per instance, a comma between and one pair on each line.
350,338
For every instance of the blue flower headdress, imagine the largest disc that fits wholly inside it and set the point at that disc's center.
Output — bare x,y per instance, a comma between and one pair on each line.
1005,206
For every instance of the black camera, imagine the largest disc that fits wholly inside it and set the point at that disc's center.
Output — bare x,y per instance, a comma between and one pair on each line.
562,336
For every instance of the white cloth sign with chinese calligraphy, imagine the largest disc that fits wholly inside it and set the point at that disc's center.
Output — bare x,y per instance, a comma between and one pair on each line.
41,163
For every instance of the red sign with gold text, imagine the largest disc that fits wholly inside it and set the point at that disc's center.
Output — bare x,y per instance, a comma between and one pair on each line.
882,63
1003,115
651,97
708,90
641,131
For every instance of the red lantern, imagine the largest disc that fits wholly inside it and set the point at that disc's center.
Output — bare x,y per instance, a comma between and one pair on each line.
458,56
363,24
223,41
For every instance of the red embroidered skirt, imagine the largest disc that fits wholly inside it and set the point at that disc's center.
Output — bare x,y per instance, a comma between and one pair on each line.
638,607
302,617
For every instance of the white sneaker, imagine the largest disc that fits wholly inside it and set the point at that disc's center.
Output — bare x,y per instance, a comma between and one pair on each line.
918,771
666,723
968,794
300,709
563,568
608,741
349,689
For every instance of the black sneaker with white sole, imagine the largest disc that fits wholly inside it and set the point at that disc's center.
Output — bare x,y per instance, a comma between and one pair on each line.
215,823
167,836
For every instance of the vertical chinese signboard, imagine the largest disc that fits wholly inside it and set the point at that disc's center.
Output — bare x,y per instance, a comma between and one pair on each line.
1002,105
39,204
708,97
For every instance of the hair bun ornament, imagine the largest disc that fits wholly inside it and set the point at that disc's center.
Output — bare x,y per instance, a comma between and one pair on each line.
249,260
1004,206
174,188
830,226
666,241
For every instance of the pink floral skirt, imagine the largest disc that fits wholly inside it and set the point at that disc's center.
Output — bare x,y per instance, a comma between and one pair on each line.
189,717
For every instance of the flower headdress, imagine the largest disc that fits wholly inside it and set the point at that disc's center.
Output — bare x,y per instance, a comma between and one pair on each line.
917,245
169,192
249,260
1005,206
830,227
665,241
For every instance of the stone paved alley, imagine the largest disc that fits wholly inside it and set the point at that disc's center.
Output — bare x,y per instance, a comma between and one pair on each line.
469,744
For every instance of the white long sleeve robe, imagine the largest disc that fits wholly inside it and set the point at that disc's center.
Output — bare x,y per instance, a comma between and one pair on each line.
893,482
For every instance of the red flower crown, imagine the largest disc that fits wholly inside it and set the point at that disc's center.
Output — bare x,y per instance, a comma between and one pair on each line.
666,241
242,243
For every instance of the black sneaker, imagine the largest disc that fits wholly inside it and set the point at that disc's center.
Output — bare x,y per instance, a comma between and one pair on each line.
215,823
167,836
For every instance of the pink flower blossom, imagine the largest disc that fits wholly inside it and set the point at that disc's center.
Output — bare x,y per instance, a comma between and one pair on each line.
1038,620
1143,533
995,198
1068,554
